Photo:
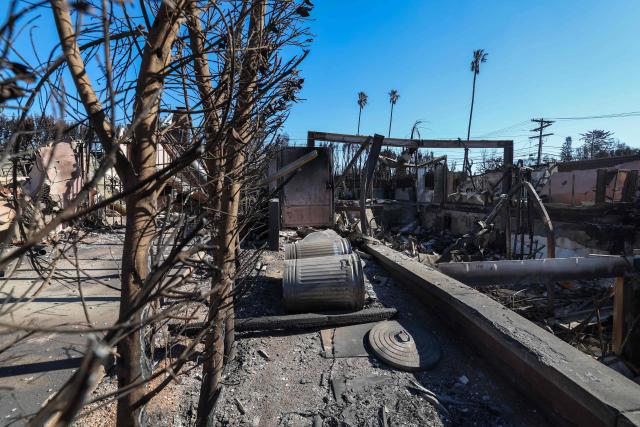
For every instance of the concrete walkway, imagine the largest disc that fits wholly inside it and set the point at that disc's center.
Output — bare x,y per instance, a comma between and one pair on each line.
36,367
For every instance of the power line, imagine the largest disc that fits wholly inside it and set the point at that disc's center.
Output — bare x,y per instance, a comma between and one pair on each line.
504,129
543,124
601,116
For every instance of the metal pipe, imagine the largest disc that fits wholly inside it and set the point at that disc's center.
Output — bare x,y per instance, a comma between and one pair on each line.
487,273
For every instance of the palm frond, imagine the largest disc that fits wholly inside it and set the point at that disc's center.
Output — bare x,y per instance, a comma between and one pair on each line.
393,96
362,99
479,56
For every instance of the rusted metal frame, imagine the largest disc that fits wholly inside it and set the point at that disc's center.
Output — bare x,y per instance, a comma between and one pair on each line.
365,179
518,220
504,201
291,167
352,162
428,162
313,136
506,145
546,219
542,366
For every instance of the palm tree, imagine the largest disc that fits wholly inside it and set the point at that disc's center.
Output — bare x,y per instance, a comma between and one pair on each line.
362,102
393,98
479,56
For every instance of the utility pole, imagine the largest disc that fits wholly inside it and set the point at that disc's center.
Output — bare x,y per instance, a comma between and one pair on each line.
542,125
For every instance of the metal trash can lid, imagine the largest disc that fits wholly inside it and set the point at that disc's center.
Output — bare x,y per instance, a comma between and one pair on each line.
394,345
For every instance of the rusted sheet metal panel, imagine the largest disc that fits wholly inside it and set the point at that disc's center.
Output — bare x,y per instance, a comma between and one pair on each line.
572,387
306,215
307,198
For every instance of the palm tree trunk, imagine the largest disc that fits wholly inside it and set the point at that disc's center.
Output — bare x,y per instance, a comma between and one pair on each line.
390,120
466,150
359,115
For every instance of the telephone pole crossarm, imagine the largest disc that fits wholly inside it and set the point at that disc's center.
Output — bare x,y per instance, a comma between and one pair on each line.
542,124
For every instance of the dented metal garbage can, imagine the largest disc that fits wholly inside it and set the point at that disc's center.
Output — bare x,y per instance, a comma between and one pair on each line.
323,283
321,235
316,248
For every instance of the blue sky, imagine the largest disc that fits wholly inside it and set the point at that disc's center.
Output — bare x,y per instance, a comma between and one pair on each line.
548,58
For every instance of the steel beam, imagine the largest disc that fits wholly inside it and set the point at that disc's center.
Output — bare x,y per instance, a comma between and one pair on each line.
313,136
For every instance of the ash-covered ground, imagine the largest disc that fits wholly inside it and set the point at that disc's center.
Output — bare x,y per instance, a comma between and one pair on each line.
282,379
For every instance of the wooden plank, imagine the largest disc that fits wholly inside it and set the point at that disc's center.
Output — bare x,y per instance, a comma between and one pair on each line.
570,386
618,314
299,321
326,336
274,224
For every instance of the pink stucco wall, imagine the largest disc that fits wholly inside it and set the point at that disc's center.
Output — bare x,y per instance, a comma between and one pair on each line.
578,187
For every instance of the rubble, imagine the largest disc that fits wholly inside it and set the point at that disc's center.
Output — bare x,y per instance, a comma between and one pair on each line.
296,386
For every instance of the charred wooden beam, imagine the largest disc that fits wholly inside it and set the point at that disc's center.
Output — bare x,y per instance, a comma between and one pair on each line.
300,321
366,180
313,136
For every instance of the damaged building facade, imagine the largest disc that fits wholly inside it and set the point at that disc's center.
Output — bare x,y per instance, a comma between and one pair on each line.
542,241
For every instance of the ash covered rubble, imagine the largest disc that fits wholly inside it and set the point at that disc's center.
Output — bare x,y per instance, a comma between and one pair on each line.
509,220
331,376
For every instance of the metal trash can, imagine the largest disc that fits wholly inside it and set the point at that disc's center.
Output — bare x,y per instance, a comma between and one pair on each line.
323,283
317,248
321,235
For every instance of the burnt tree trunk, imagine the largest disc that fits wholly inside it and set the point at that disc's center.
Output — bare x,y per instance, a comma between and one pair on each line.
222,310
214,346
141,204
235,156
141,207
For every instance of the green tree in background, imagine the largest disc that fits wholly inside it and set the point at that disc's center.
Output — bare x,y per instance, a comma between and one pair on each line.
566,152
